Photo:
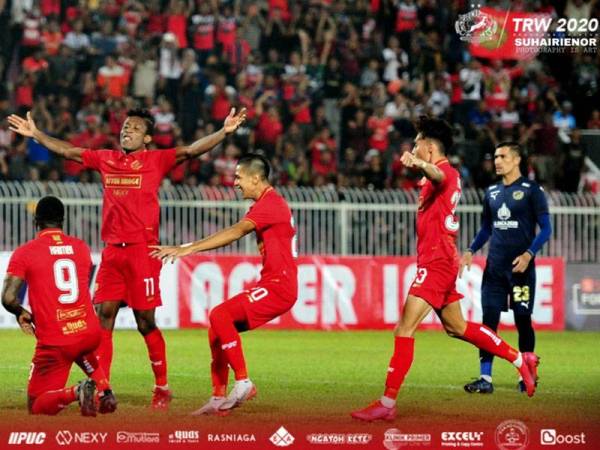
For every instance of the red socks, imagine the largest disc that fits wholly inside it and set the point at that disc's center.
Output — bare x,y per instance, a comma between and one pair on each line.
158,356
219,369
484,338
90,364
221,322
53,402
105,351
404,350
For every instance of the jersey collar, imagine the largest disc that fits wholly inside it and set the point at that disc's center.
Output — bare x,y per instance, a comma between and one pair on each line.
441,161
267,190
47,231
518,180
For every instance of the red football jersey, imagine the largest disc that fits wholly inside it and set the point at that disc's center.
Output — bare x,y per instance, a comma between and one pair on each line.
130,208
276,237
57,270
437,223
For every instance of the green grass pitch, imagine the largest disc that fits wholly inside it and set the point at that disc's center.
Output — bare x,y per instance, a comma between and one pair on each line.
316,378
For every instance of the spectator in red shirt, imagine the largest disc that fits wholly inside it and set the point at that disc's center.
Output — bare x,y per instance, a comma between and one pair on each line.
268,130
380,127
177,22
36,62
113,79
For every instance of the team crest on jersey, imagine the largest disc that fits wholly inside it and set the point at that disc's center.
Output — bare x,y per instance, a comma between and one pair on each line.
136,165
518,195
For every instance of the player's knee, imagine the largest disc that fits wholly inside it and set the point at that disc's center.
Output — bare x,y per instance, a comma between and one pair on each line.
455,330
217,314
145,325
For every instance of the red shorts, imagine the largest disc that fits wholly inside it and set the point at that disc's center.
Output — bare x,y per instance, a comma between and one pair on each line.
129,274
262,304
435,283
51,364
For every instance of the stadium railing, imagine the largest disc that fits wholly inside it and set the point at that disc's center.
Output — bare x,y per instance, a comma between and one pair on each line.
329,221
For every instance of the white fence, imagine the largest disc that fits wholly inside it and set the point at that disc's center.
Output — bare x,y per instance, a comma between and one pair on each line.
345,222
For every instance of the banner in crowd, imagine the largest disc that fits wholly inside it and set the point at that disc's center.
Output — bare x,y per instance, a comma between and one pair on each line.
349,292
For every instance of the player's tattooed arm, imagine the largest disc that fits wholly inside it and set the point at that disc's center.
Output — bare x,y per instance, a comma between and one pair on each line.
219,239
203,145
431,171
10,301
26,127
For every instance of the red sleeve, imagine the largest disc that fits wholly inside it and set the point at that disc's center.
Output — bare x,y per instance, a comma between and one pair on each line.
260,215
17,266
91,158
168,159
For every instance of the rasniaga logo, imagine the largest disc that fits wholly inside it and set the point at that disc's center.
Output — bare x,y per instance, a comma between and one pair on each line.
134,437
462,439
282,438
26,437
184,437
551,437
475,26
339,438
512,435
230,437
65,437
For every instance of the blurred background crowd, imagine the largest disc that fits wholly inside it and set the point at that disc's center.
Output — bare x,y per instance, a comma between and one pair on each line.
331,87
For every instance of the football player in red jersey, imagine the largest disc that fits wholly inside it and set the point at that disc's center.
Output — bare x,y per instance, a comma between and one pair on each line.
130,222
434,286
56,268
274,294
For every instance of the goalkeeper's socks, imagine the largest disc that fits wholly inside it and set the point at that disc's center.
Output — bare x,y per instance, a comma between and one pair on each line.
484,338
158,356
404,349
53,402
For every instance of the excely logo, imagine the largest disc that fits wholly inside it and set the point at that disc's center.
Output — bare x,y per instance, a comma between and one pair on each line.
551,437
26,437
462,439
65,437
282,438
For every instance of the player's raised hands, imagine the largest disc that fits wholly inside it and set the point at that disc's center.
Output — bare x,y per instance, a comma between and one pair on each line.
410,160
24,127
169,253
466,260
25,321
521,262
233,120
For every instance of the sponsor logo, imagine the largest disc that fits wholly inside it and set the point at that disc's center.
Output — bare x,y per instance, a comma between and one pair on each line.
184,437
512,435
475,26
586,296
70,314
123,181
231,437
551,437
65,437
74,327
393,439
462,439
339,438
494,194
26,437
229,345
134,437
282,438
61,250
491,334
136,165
504,214
518,195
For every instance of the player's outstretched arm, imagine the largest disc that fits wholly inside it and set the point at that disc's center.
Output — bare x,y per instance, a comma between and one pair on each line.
232,122
431,171
10,301
26,127
219,239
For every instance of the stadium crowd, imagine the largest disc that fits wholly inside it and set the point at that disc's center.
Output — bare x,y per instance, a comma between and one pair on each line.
331,87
